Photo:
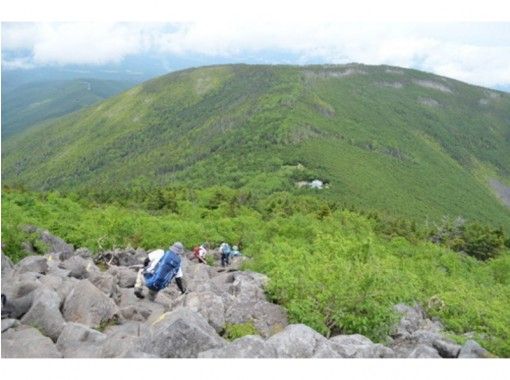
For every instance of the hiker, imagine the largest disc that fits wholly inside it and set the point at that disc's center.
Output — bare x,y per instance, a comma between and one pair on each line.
225,254
235,251
200,252
159,270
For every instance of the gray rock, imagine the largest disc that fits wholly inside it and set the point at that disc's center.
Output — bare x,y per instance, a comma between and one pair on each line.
67,285
251,346
181,333
87,305
472,349
210,306
7,265
446,349
9,324
123,340
296,341
79,341
267,318
423,351
27,342
135,309
25,285
359,346
106,283
126,277
83,252
17,307
54,243
325,351
79,267
45,313
51,281
37,264
425,337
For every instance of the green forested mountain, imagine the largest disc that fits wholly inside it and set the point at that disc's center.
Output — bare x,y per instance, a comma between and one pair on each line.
31,103
402,141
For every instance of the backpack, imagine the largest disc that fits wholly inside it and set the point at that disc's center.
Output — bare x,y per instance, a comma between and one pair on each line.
165,271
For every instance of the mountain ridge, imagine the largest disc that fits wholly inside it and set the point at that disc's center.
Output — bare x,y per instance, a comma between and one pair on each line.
383,137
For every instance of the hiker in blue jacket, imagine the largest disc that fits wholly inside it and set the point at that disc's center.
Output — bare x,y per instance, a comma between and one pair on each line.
225,254
159,270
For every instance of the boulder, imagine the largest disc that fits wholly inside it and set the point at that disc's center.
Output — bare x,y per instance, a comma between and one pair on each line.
9,324
251,346
210,306
87,305
359,346
181,333
51,281
55,244
122,257
471,349
423,351
37,264
17,307
267,317
80,341
425,337
296,341
126,277
135,309
27,342
7,265
79,267
124,340
83,252
446,349
45,313
106,283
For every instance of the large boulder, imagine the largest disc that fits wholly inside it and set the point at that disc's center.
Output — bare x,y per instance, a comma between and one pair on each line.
251,346
37,264
126,277
122,257
181,333
267,317
297,341
135,309
359,346
107,283
124,340
80,341
27,342
79,267
210,306
471,349
87,305
17,307
45,313
7,265
422,351
9,324
446,349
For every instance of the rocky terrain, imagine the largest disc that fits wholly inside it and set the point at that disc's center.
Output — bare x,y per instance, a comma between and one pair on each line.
70,304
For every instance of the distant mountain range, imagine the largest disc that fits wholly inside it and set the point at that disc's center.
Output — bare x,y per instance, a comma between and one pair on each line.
403,141
30,103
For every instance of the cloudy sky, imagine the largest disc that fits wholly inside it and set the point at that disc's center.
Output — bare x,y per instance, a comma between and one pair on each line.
474,52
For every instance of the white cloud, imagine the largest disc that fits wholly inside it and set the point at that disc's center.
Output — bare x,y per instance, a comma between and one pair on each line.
476,53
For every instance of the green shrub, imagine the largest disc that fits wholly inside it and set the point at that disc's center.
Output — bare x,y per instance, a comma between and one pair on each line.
238,330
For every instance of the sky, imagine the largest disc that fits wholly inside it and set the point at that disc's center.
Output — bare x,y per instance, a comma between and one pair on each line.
470,51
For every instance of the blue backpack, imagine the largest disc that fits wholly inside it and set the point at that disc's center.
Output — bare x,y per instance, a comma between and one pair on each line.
165,271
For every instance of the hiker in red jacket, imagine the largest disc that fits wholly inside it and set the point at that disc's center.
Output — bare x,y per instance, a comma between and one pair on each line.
200,252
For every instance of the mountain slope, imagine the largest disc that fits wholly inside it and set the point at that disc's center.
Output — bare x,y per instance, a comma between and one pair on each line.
407,142
31,103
